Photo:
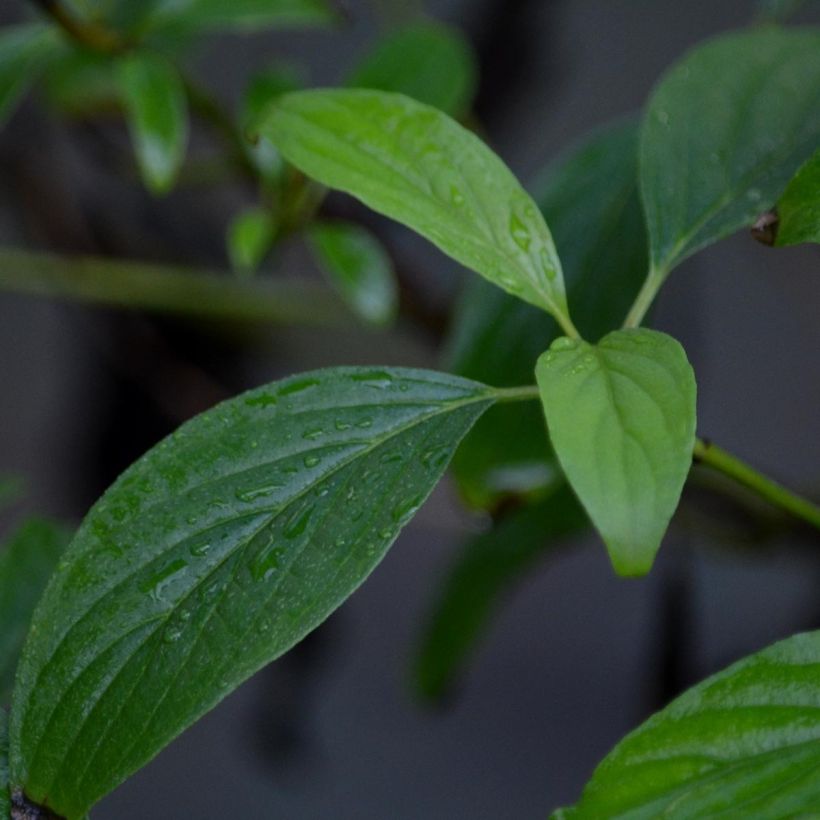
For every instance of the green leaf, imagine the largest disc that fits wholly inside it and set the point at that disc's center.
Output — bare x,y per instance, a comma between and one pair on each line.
26,563
429,62
5,797
24,51
799,208
244,15
82,83
214,554
157,116
416,165
621,417
250,237
358,266
489,566
743,743
725,131
590,199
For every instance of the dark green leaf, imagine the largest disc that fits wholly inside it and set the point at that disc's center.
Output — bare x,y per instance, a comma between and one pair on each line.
725,131
215,553
250,237
429,62
488,567
621,417
81,83
418,166
358,266
248,15
799,208
24,50
590,200
744,743
157,116
27,561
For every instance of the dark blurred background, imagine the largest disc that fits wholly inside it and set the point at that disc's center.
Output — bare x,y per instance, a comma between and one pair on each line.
577,657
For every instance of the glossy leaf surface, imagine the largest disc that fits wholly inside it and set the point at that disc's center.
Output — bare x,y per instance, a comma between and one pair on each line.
418,166
744,743
429,62
215,553
250,237
799,208
489,566
621,417
358,266
24,49
590,199
27,560
157,117
725,131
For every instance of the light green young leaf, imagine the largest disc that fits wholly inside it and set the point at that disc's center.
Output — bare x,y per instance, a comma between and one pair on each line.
621,417
155,102
429,62
590,200
489,567
24,50
244,15
725,131
250,237
743,743
27,561
358,266
799,208
215,553
418,166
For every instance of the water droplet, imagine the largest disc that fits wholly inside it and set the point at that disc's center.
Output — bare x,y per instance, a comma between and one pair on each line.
297,386
456,196
198,550
343,425
252,493
298,523
364,423
378,379
405,510
754,195
563,343
386,532
663,118
157,583
266,563
520,234
261,400
391,457
312,460
548,265
435,457
314,433
172,634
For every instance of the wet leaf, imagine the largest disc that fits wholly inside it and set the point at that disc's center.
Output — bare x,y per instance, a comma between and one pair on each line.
418,166
621,417
215,553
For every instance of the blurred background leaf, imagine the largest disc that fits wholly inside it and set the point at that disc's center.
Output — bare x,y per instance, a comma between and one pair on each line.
485,572
430,62
250,237
27,560
157,116
358,267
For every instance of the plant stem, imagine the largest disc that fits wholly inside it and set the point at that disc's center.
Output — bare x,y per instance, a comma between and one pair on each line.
652,284
170,289
526,393
88,33
718,459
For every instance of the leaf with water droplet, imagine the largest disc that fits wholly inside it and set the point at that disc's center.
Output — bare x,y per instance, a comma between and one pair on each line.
621,418
591,202
393,154
725,130
210,557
